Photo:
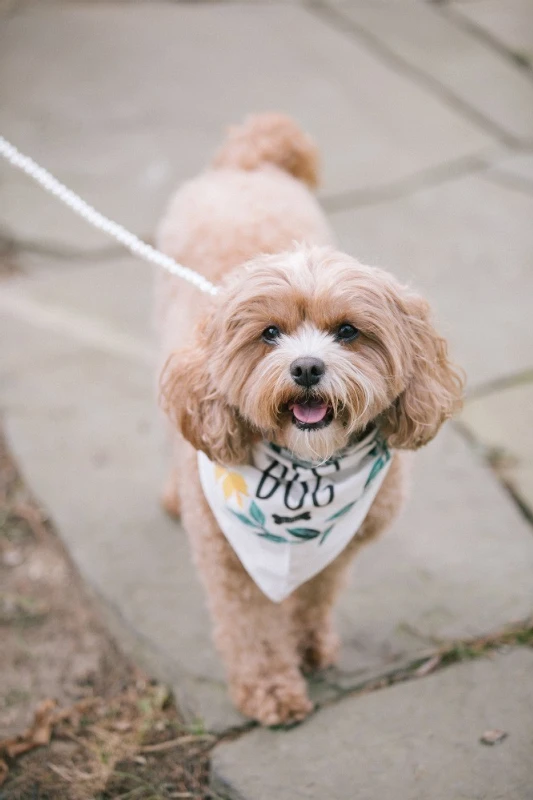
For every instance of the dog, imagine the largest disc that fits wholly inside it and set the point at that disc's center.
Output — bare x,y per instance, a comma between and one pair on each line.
292,393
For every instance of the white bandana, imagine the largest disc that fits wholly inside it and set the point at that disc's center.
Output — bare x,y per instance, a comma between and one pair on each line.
287,519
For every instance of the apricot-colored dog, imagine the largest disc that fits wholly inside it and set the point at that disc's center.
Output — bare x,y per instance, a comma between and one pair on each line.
303,348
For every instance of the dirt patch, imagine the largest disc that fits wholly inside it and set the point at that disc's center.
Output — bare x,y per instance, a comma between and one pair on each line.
77,719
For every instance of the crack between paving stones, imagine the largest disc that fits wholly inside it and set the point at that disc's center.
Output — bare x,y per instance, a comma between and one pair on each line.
495,385
50,249
508,180
432,177
347,26
426,663
456,651
454,15
487,454
405,187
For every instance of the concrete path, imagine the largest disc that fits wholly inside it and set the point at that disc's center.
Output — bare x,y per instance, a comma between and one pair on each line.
424,114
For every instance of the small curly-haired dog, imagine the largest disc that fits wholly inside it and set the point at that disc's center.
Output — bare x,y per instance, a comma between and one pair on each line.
291,389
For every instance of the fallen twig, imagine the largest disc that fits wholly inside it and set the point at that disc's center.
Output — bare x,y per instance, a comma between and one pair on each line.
161,746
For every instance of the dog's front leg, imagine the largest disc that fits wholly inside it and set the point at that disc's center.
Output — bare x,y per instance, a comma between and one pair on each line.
260,651
311,608
253,635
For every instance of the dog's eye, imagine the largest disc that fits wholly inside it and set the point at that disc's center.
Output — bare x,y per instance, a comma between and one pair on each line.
270,334
347,332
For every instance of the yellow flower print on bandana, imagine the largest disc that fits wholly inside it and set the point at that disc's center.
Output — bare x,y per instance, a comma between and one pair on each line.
233,483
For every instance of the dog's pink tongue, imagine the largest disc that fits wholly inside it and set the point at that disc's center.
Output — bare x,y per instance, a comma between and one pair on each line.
309,413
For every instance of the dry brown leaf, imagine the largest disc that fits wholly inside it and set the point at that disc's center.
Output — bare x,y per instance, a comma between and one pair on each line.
77,708
181,740
37,734
41,729
3,771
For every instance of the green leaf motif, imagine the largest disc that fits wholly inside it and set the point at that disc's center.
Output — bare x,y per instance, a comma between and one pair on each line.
376,469
344,510
257,514
326,534
304,533
273,537
244,519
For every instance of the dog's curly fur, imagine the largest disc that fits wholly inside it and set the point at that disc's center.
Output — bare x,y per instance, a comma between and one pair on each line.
224,387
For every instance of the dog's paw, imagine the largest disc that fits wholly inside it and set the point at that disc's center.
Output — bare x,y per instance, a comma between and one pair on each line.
279,700
319,650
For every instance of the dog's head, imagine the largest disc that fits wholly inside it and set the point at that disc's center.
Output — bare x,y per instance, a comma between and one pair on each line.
306,349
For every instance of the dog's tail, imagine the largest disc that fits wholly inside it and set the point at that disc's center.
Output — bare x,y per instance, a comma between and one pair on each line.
270,139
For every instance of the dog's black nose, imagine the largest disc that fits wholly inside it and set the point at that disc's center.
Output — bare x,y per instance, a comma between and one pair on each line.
307,371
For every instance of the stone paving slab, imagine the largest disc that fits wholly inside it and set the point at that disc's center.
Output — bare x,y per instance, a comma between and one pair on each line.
466,244
501,422
414,741
508,21
467,68
104,97
459,562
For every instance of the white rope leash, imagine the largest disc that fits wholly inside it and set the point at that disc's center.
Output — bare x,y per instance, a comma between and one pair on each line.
97,220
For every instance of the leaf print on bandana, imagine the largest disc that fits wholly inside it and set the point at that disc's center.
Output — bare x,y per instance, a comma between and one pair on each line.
326,534
383,452
304,533
256,520
244,519
273,537
257,514
341,512
232,484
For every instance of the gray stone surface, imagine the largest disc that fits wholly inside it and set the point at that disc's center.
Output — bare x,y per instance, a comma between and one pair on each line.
81,414
508,21
116,294
413,741
124,104
501,422
467,245
443,51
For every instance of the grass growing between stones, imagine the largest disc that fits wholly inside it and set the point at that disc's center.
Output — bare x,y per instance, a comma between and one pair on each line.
518,634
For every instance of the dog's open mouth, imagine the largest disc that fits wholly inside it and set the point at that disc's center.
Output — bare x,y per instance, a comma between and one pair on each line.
311,415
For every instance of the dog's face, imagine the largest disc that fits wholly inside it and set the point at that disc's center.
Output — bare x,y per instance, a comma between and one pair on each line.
306,349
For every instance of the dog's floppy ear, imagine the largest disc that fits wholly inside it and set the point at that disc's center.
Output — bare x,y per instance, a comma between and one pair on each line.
434,386
191,400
